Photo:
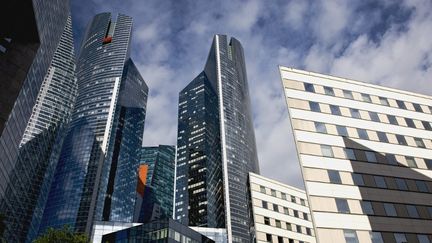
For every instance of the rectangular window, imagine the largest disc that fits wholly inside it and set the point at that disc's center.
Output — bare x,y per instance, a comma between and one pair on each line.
280,239
283,195
302,202
410,122
392,120
391,159
400,238
289,226
350,236
296,214
266,221
401,140
335,110
275,208
370,156
362,134
421,186
382,137
384,101
348,94
366,98
269,237
390,209
308,231
342,205
355,113
328,91
320,127
374,116
293,199
367,207
358,179
423,239
305,216
298,227
428,163
419,142
427,125
265,204
290,240
349,154
262,189
278,224
342,131
380,181
286,211
376,237
326,151
309,87
412,211
401,104
273,193
411,162
429,211
401,184
314,106
417,107
334,176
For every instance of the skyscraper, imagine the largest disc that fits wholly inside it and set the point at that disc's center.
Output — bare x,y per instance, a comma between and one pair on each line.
107,125
216,144
38,88
366,157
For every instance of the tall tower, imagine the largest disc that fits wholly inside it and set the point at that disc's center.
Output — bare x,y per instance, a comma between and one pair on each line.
38,88
107,123
216,144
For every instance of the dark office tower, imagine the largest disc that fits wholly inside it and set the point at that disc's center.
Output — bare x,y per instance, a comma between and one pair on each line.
36,66
155,187
199,162
103,112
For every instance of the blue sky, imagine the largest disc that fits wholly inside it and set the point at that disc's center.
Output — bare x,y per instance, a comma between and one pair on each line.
382,42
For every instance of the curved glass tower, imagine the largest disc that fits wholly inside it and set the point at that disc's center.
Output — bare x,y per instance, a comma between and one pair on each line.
108,114
224,81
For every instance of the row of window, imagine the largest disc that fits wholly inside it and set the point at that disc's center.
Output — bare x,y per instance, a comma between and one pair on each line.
285,210
378,237
282,195
288,226
372,99
280,239
383,182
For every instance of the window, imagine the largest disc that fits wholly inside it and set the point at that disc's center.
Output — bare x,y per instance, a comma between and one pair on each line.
335,110
392,120
391,158
376,237
400,238
302,202
314,106
280,239
296,214
262,189
305,216
428,163
342,131
308,231
320,127
362,134
298,228
290,240
309,87
293,199
366,98
349,154
401,104
326,151
273,193
423,239
411,162
355,113
286,211
419,142
334,176
350,236
417,107
367,207
342,205
348,94
380,182
390,209
358,179
264,204
382,137
384,101
427,125
401,140
266,221
412,211
288,226
410,122
269,237
401,184
370,156
278,224
421,186
328,91
429,211
283,195
430,109
275,208
374,116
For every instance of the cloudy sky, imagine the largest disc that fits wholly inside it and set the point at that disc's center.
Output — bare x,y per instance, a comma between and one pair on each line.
382,42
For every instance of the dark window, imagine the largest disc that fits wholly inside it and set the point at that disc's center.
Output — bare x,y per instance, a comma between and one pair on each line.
280,239
298,227
328,91
334,176
355,113
290,240
392,120
342,205
293,199
278,223
314,106
384,101
370,157
423,239
374,116
376,237
275,208
427,125
401,104
273,193
367,207
262,189
309,87
358,179
429,211
421,186
419,142
335,110
296,214
380,182
283,195
305,216
350,236
366,98
349,154
302,202
320,127
400,238
382,137
269,237
428,163
410,122
348,94
401,184
342,131
401,140
266,221
264,204
289,226
417,107
286,211
411,162
390,209
412,211
308,231
391,158
362,134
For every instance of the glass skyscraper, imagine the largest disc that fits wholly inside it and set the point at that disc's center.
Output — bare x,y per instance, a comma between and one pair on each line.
38,86
215,108
106,126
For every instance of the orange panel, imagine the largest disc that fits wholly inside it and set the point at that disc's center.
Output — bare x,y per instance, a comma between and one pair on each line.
142,179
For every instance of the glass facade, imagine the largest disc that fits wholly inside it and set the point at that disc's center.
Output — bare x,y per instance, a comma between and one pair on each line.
156,201
45,89
226,74
101,114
